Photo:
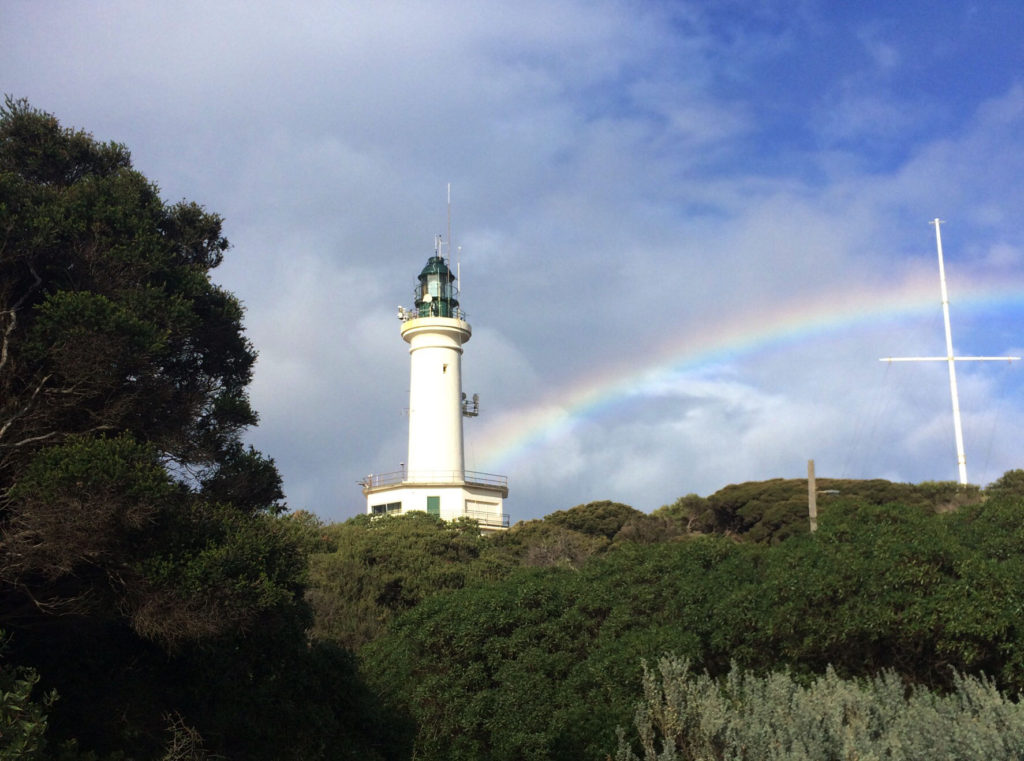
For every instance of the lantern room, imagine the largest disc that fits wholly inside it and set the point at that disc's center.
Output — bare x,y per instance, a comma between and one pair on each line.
435,296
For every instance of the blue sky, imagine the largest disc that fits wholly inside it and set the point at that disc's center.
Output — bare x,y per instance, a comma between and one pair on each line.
628,180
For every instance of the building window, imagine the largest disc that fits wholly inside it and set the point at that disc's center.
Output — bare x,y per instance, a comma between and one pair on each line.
434,506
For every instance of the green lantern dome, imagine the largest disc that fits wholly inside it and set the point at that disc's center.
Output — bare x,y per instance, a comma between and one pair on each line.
436,292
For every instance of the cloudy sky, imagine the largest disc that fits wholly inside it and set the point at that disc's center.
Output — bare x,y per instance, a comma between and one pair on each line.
687,230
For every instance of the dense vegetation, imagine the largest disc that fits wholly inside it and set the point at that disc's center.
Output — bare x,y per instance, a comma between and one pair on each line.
543,664
158,601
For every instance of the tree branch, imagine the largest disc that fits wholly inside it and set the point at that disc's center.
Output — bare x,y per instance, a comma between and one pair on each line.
26,408
12,313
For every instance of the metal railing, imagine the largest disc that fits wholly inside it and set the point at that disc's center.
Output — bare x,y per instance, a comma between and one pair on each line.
488,519
405,314
487,479
377,480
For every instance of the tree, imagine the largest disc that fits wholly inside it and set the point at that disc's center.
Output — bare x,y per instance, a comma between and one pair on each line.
145,572
108,320
123,368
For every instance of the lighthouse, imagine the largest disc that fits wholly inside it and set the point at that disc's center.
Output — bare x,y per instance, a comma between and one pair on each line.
434,478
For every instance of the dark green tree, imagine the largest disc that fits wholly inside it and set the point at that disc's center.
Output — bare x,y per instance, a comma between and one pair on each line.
144,570
123,371
109,322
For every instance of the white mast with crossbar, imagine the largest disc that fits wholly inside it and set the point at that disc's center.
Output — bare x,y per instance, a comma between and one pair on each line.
951,360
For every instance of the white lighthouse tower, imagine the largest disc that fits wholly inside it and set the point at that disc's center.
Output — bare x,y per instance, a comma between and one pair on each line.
434,478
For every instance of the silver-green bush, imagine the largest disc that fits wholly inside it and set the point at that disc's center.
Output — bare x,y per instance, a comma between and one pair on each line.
685,716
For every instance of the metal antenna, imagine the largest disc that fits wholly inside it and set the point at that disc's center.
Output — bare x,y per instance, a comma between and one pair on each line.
458,250
951,360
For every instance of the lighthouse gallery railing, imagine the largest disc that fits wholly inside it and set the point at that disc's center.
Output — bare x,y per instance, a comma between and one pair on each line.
375,480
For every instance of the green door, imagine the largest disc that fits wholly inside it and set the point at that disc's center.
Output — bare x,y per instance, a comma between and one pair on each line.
434,506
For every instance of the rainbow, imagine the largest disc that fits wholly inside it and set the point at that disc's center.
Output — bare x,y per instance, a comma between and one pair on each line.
525,429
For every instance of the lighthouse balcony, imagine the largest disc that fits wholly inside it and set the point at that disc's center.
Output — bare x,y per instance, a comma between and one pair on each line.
418,313
492,481
488,521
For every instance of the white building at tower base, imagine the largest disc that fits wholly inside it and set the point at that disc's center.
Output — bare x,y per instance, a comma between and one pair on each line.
478,497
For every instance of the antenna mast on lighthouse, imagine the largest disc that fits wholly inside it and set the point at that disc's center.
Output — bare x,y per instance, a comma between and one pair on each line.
951,360
458,262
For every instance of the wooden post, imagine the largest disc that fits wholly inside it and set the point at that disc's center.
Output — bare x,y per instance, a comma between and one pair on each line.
812,496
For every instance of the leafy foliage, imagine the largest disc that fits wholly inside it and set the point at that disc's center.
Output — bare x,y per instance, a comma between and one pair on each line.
385,566
22,718
595,518
377,568
568,538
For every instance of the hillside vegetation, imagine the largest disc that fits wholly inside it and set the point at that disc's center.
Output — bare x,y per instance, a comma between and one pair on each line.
543,663
158,602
